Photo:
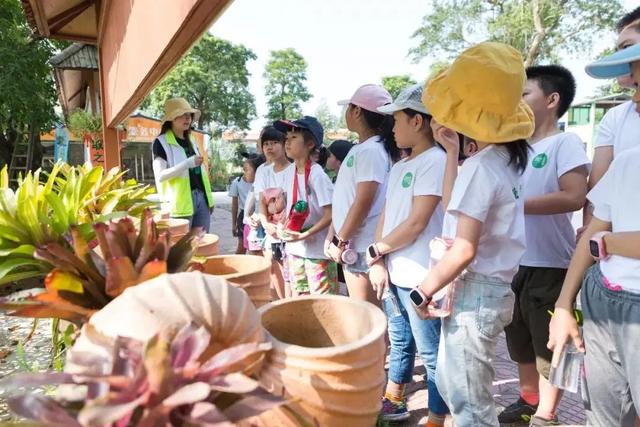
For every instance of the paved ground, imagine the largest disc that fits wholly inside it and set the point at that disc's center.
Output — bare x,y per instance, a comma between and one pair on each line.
505,385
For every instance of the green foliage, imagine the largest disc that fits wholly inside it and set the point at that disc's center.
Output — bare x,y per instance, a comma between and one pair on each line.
326,118
286,74
218,169
539,29
60,342
394,84
81,122
26,80
41,211
214,78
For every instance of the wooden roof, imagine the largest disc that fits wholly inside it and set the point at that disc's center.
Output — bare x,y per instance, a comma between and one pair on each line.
64,19
78,56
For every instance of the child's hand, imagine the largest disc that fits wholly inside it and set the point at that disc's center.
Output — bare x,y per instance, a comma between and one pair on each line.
292,236
254,221
271,230
562,328
447,138
379,277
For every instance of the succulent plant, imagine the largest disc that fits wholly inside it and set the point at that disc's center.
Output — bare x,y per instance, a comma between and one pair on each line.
164,382
84,281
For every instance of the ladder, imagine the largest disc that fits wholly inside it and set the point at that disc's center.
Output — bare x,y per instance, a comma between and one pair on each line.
21,158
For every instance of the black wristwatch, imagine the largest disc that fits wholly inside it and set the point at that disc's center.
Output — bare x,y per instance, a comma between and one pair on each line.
418,298
338,242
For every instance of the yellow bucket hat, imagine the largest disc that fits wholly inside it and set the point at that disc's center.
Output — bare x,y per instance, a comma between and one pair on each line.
175,107
480,95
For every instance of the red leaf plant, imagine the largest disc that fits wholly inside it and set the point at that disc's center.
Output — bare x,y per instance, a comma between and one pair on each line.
162,383
85,280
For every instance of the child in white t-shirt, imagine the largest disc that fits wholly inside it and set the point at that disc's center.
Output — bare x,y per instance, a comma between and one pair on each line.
610,294
269,179
555,185
309,191
360,187
479,96
399,258
239,190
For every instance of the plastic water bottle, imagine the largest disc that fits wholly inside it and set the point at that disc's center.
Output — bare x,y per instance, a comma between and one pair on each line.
567,374
391,302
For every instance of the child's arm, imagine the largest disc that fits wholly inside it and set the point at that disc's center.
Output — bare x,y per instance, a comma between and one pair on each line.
234,214
457,258
602,158
322,223
570,198
626,244
365,194
409,229
380,225
563,324
450,141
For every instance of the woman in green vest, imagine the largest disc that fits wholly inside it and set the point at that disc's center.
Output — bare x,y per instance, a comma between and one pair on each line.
181,178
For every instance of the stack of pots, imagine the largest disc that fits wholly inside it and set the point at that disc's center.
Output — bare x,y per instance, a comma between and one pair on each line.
328,353
208,245
249,272
177,228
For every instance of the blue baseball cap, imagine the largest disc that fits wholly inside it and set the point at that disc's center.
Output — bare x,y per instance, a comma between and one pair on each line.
306,122
615,65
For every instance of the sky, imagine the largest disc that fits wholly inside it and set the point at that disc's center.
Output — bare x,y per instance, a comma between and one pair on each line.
346,43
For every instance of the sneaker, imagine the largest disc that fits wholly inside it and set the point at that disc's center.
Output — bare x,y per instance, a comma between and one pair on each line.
392,411
518,413
537,422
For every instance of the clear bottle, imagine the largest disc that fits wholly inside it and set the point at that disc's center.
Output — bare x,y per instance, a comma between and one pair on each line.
390,301
567,374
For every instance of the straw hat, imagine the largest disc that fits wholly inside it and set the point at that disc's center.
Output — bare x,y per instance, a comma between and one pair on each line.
175,107
480,95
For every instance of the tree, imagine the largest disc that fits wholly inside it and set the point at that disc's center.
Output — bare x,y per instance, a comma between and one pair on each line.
27,90
214,78
394,84
539,29
286,74
326,118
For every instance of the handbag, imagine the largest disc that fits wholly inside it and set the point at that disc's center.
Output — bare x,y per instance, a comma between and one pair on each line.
299,208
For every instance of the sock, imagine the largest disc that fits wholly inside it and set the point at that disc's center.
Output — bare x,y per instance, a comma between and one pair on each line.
435,420
531,398
395,393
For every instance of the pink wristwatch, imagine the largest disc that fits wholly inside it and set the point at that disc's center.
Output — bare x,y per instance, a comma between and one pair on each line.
597,247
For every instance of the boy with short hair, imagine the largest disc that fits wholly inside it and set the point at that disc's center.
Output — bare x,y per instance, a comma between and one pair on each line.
555,185
611,288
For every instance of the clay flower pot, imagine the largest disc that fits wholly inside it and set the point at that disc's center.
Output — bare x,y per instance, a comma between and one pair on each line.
328,351
177,227
208,245
167,303
249,272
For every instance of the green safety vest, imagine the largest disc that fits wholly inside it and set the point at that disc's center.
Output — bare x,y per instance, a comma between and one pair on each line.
177,191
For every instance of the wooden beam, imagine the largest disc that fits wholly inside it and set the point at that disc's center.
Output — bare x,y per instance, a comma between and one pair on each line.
39,17
57,22
74,37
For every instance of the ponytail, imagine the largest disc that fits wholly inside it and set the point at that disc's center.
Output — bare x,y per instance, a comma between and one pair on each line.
382,125
518,154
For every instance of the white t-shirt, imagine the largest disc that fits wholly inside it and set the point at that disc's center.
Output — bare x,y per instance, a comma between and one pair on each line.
317,196
420,176
269,178
258,181
490,190
240,188
620,128
616,198
551,239
366,161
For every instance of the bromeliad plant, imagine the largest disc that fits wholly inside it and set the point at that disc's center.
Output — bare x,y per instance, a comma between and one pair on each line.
162,383
84,281
41,211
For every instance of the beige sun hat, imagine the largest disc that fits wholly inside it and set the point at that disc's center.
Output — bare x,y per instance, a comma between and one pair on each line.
175,107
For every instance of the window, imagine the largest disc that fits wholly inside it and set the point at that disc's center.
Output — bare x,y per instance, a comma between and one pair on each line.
579,115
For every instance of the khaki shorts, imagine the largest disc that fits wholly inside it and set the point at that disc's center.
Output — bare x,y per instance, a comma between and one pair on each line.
536,290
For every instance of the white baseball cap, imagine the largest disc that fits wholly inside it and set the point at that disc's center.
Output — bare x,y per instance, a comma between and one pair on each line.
410,97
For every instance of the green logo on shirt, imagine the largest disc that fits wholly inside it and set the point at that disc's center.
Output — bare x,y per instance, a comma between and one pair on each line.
350,161
515,192
540,161
406,181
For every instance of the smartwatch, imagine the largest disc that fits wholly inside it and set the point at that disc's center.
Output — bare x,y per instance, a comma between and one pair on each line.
338,242
418,298
373,254
597,247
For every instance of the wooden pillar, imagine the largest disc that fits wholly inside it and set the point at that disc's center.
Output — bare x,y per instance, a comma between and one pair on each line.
111,146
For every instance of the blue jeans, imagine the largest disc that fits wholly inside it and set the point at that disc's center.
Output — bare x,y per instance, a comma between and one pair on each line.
481,308
201,214
408,333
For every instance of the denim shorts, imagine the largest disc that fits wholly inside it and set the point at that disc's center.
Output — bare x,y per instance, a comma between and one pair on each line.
358,267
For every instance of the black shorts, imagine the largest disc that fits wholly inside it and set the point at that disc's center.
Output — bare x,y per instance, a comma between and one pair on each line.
536,290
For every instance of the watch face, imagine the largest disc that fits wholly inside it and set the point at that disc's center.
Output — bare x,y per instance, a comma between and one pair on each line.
594,248
372,251
335,241
416,298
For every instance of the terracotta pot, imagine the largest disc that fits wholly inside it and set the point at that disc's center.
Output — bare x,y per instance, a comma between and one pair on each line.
208,245
328,351
170,301
175,226
249,272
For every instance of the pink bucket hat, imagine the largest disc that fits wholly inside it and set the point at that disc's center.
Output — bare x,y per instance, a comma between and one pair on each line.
370,97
